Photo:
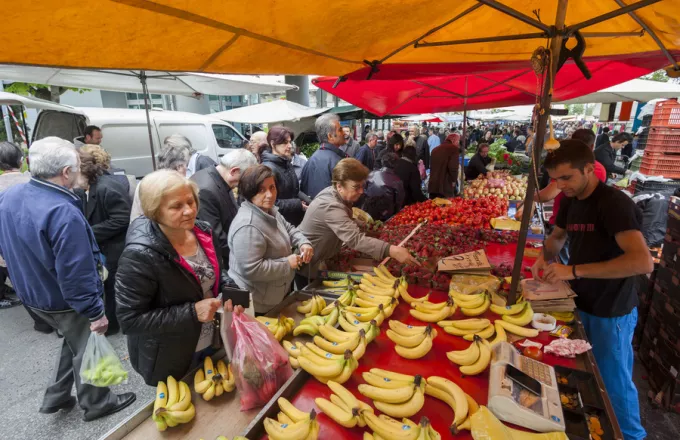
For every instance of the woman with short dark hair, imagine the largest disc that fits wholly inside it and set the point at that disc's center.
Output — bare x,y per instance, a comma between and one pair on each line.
261,242
395,144
278,156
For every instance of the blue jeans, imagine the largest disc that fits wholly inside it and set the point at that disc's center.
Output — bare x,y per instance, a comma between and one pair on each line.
611,339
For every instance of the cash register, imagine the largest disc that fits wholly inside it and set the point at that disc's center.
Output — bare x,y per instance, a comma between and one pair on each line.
524,391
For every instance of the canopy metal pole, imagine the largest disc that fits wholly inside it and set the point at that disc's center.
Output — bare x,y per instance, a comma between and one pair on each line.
145,91
463,150
546,98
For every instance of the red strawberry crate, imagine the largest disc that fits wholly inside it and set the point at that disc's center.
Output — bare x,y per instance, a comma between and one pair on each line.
661,164
667,114
663,140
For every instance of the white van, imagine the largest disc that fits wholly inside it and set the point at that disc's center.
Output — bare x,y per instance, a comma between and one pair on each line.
126,134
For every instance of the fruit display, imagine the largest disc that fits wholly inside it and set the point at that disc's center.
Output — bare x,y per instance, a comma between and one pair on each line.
310,326
172,405
107,372
522,318
485,425
312,306
434,314
337,368
279,327
210,383
412,343
469,212
499,184
343,408
397,395
471,305
474,359
292,424
462,404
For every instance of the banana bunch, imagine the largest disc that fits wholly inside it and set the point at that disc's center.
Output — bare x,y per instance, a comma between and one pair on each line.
474,359
312,306
347,298
448,392
310,326
433,315
403,292
471,305
293,353
395,394
209,383
366,314
238,437
516,329
173,404
364,299
486,425
345,282
329,366
467,328
514,309
350,323
292,423
345,409
336,341
412,343
387,428
523,317
279,327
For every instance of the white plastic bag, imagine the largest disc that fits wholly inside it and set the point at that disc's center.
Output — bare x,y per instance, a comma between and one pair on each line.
101,366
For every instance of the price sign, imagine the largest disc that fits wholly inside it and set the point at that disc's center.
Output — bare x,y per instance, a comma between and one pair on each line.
474,262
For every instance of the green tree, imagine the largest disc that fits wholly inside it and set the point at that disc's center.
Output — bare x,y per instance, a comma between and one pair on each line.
659,75
576,109
42,91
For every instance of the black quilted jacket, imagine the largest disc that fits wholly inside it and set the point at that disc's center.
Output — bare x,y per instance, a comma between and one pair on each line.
155,299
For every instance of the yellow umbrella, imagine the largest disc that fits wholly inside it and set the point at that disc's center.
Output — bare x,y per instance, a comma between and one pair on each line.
312,37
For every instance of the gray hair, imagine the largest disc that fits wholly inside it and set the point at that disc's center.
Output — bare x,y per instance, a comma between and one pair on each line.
173,157
241,159
380,134
178,141
49,156
371,136
257,138
325,125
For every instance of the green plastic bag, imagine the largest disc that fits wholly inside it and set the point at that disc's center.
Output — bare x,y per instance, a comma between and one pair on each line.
101,366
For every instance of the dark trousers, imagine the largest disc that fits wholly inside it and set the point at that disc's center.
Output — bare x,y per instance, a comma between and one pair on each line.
110,301
76,331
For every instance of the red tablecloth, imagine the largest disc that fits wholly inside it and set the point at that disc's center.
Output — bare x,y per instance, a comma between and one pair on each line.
381,354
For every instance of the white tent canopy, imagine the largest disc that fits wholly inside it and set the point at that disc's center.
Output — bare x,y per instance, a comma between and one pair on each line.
634,90
275,111
170,83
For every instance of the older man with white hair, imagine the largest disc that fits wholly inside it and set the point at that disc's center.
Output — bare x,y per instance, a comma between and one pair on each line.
217,204
55,265
256,140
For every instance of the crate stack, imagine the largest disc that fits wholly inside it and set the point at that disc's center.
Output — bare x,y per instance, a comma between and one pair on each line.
662,146
660,343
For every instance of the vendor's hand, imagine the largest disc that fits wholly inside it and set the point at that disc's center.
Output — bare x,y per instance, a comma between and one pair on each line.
558,272
307,252
100,326
520,211
402,255
538,267
294,260
304,206
229,307
206,308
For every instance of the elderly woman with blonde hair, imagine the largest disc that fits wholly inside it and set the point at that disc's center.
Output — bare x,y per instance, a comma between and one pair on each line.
169,279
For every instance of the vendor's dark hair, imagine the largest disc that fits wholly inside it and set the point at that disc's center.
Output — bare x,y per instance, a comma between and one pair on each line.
251,179
584,135
10,156
571,151
396,139
482,145
605,129
623,136
90,129
409,152
278,134
261,149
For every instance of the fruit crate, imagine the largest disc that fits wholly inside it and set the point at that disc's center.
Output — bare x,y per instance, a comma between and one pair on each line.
667,114
663,140
653,186
661,164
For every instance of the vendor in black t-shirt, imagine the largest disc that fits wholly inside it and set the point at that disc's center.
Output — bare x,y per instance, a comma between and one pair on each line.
606,250
478,163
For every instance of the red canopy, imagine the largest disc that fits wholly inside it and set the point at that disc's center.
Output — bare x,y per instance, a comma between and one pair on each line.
401,89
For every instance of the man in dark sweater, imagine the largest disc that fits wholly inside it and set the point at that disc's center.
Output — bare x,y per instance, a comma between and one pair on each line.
316,175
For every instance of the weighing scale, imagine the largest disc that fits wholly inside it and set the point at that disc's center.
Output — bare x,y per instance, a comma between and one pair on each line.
524,391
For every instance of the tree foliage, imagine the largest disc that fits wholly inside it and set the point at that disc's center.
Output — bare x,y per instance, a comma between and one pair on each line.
42,91
576,109
659,75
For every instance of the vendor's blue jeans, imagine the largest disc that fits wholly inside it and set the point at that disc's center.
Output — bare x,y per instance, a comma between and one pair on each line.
612,339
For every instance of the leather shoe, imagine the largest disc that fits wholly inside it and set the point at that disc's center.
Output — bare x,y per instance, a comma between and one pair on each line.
122,401
68,404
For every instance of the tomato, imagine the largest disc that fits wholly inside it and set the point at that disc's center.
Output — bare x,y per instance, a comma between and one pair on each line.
533,353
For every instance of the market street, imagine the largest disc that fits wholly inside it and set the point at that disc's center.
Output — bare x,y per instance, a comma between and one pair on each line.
28,360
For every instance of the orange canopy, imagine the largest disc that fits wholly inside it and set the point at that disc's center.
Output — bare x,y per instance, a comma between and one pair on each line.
302,36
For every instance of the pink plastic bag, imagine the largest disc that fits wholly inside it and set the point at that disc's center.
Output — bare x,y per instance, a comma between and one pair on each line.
259,363
421,170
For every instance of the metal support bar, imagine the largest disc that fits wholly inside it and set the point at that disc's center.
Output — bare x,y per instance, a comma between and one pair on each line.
652,34
546,98
529,36
145,91
609,15
518,15
439,89
639,33
499,83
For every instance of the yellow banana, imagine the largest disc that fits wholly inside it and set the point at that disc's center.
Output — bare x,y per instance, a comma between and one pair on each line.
403,292
219,389
339,415
465,357
306,306
472,405
201,384
313,431
380,291
482,362
316,369
337,347
336,283
208,368
522,319
335,335
476,324
484,334
210,392
458,332
161,424
332,318
368,436
283,418
384,382
486,425
435,316
390,429
406,409
329,308
395,376
363,314
293,362
514,309
517,330
296,431
500,334
173,391
374,299
292,349
184,400
427,305
469,303
161,397
307,329
388,395
344,394
418,351
180,417
267,321
479,310
389,309
406,341
319,356
291,411
377,281
360,349
383,272
461,407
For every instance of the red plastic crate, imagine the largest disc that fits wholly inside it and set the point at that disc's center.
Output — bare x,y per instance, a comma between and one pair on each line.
667,114
663,140
660,164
